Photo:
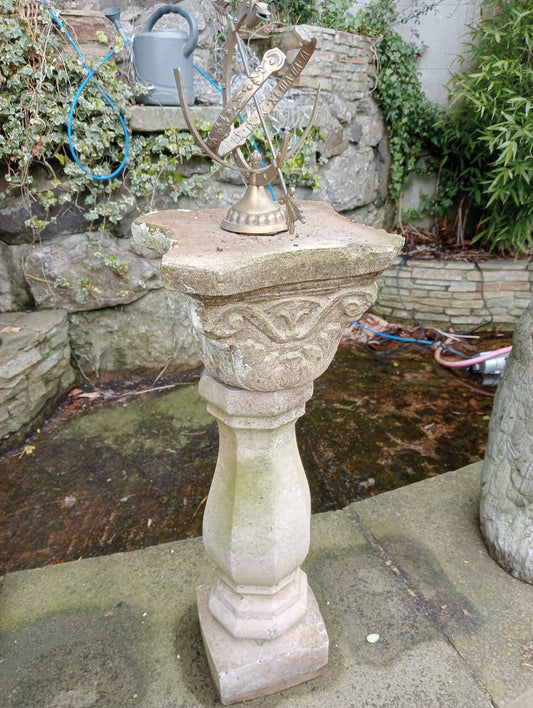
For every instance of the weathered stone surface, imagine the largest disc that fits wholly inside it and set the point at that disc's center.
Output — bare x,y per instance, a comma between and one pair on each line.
367,126
88,272
340,109
34,365
147,119
506,509
349,180
153,331
14,291
249,668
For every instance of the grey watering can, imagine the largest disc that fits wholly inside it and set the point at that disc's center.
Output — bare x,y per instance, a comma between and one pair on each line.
156,53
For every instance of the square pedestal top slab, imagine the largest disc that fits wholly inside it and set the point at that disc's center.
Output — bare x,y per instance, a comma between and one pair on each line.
207,261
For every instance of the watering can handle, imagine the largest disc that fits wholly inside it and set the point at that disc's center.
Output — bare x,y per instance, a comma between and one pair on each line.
193,27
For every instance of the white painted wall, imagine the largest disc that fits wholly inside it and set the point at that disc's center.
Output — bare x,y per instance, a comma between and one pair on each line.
441,32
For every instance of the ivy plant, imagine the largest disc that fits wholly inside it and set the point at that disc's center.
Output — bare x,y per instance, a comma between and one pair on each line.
410,118
38,81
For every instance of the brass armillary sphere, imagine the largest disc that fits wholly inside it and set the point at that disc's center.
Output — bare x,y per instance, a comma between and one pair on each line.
256,212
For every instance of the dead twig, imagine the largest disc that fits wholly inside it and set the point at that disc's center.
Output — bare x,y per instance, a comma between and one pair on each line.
195,514
150,390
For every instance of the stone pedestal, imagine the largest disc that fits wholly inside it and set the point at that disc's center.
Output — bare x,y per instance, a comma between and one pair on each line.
268,313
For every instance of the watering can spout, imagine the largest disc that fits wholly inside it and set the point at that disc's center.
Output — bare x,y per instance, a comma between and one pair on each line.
113,15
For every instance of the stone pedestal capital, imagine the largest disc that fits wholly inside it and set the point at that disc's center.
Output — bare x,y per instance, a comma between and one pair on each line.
268,311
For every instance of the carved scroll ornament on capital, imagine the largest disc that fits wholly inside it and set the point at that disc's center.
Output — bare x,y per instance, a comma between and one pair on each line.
274,344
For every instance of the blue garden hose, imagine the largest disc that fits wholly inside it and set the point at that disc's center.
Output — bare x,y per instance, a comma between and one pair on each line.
208,78
84,83
89,77
426,342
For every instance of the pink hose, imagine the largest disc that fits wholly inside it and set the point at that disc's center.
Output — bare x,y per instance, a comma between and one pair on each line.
462,363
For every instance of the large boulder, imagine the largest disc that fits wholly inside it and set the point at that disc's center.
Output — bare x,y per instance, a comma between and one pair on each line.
506,511
152,332
88,272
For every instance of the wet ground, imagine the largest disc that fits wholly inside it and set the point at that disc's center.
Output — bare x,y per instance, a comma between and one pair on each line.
120,474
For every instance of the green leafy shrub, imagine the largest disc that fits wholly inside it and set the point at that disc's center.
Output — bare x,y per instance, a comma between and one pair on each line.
488,134
327,13
297,12
38,82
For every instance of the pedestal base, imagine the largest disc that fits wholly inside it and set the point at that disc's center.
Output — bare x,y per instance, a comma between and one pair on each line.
249,612
243,669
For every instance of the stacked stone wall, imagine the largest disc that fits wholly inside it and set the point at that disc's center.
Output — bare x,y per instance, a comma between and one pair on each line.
456,294
341,62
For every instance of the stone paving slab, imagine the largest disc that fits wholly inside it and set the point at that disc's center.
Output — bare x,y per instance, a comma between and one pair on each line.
409,565
432,540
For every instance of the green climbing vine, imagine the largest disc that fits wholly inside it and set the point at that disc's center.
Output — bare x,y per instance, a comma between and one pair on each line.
38,81
411,119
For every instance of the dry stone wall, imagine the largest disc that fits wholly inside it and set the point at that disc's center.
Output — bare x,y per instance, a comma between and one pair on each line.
34,366
456,294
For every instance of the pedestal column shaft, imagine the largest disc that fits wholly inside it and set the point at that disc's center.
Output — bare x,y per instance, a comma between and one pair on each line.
257,517
256,523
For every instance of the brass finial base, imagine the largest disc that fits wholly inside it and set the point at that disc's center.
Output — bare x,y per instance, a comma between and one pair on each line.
255,213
